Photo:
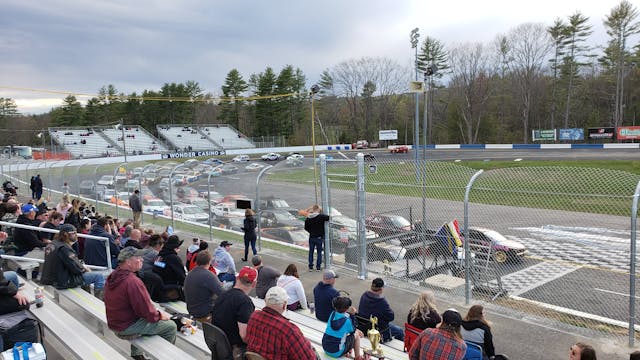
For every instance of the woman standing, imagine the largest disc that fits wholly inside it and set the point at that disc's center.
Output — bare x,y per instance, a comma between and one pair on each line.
423,313
478,330
291,283
249,229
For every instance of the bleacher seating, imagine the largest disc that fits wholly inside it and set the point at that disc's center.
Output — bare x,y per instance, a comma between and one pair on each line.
84,143
227,137
137,140
186,137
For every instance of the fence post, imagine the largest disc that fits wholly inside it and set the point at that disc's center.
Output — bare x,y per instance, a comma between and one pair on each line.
362,231
324,189
257,206
208,202
632,266
467,252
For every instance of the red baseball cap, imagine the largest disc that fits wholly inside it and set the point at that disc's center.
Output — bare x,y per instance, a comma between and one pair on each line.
248,274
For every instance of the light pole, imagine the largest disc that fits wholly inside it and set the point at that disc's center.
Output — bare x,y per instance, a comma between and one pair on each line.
44,149
314,90
124,142
415,36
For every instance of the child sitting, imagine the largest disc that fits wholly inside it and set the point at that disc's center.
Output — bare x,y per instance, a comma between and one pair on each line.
341,335
192,249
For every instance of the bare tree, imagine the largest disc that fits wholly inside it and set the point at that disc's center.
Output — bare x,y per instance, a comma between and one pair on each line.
470,82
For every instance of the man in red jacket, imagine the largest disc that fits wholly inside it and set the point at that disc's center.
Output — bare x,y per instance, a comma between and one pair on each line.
128,304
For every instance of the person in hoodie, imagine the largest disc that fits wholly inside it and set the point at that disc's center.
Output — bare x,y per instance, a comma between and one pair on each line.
169,266
314,224
373,303
224,263
95,252
341,335
28,242
61,267
192,250
478,330
323,295
128,306
249,228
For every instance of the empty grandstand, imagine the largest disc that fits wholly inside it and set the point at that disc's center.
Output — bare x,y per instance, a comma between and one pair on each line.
203,137
136,139
84,143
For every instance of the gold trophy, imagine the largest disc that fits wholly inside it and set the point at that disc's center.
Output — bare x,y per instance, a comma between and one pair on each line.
374,337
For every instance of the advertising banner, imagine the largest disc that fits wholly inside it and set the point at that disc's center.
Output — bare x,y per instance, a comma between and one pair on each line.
192,154
539,135
601,133
628,133
571,134
388,135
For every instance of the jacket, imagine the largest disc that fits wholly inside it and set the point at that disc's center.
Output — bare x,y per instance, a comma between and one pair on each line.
61,268
95,252
340,326
170,267
224,261
314,224
27,240
126,300
134,203
376,305
249,227
479,333
8,303
323,295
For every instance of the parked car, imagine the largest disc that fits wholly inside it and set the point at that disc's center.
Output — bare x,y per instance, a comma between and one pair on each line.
154,205
234,223
295,156
215,172
254,167
191,163
107,194
277,203
344,230
241,158
131,185
120,179
369,157
87,187
398,149
227,209
390,226
294,161
503,249
121,200
213,161
106,180
188,213
271,157
199,202
278,218
228,169
163,184
332,212
233,197
290,235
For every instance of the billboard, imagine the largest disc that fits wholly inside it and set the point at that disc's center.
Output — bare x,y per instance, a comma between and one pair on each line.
628,133
601,133
388,135
539,135
571,134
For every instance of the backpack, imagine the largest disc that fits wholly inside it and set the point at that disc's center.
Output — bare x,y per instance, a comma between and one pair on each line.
18,327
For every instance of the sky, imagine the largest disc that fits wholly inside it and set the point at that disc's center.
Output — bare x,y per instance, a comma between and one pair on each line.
58,47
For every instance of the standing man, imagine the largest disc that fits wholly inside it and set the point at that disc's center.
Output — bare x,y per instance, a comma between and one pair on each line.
225,263
128,306
136,208
314,224
323,295
201,288
373,303
267,276
38,187
272,335
232,311
32,186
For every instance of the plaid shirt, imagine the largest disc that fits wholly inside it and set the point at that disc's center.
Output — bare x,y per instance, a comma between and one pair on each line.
436,344
272,335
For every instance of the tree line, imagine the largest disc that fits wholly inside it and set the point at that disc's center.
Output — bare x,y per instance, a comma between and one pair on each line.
534,76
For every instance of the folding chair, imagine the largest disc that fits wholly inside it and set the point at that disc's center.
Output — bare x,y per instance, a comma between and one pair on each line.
411,333
217,342
474,351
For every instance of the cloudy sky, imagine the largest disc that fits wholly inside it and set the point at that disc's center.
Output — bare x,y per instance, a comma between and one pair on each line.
73,46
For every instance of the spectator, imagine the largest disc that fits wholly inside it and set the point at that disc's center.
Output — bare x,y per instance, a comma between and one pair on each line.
170,268
373,303
201,288
272,335
423,313
53,222
64,205
224,263
249,228
128,306
13,300
291,283
314,224
85,226
192,249
38,186
95,252
442,343
203,247
9,212
134,238
28,241
74,216
32,186
477,330
341,335
151,251
267,276
634,355
62,269
582,351
231,312
323,295
135,204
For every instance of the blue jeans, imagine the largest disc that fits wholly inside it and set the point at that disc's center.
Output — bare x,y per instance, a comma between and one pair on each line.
12,276
315,242
227,277
393,331
94,277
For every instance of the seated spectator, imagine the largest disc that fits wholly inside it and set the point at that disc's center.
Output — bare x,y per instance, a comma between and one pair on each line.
224,263
272,335
373,303
477,330
291,283
28,242
62,269
323,295
85,226
202,247
13,300
95,252
131,237
445,341
267,276
74,216
128,306
192,249
582,351
341,335
423,313
53,222
201,288
170,268
65,204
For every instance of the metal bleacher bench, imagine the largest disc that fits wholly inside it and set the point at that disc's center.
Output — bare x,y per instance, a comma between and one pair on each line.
78,340
154,346
313,329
